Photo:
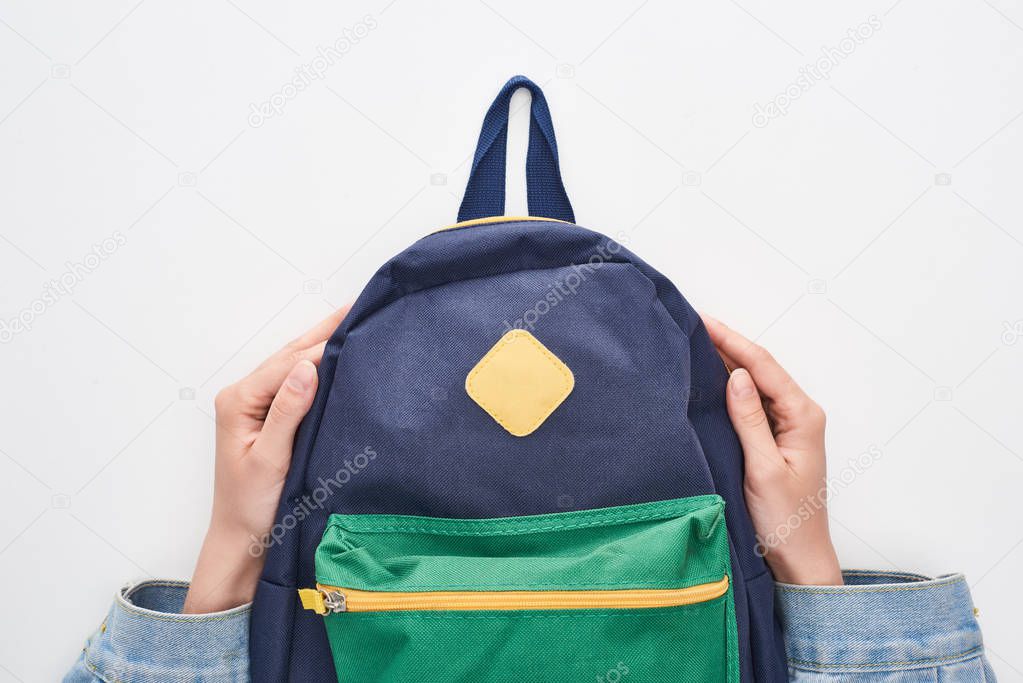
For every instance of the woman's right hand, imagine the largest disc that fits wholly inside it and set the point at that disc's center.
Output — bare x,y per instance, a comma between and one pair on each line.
257,418
782,434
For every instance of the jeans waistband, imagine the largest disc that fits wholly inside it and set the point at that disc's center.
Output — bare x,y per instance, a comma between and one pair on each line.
879,620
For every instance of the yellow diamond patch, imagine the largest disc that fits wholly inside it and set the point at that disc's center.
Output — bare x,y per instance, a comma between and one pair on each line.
519,382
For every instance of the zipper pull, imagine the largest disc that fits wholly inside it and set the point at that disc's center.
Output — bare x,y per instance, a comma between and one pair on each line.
322,602
334,601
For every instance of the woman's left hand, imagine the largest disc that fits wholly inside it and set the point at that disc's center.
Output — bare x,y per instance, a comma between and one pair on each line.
782,434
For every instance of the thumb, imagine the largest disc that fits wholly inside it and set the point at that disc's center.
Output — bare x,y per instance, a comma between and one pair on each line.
750,421
289,406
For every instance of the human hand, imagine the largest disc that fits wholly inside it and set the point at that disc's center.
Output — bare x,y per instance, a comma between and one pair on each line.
782,434
256,421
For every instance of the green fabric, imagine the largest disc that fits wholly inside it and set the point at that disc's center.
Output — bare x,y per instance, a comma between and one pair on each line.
669,544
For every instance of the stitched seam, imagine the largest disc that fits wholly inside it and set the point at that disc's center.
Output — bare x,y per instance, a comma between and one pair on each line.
123,602
832,590
96,670
632,613
197,619
554,360
166,584
547,410
637,585
757,577
666,510
899,575
512,219
500,532
932,660
178,620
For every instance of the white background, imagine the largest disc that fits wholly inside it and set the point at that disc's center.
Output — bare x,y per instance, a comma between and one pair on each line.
871,237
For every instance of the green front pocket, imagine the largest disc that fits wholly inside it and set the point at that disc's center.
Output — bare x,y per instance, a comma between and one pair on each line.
640,591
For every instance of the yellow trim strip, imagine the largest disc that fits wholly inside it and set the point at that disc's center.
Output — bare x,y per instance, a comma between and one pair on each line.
381,601
497,219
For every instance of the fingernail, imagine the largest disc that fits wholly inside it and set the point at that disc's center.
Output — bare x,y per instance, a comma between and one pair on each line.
741,384
302,376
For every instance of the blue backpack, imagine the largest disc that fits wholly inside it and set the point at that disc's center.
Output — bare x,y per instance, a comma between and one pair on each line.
515,466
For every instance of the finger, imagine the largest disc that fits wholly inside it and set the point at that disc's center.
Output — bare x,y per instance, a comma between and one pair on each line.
288,408
264,381
258,389
730,363
314,354
770,377
245,403
323,329
750,421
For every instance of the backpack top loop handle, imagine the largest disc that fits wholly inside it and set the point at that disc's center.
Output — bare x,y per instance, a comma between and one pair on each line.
545,192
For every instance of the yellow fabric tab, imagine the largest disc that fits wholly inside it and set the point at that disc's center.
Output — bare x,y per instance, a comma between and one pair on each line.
519,382
312,599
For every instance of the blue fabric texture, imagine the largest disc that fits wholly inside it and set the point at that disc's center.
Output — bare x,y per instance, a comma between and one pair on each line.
545,192
883,627
145,638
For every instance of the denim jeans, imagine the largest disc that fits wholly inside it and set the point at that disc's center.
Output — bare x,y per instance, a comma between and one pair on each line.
883,627
880,627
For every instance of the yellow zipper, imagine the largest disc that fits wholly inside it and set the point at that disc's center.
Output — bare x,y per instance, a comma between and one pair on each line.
333,599
497,219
